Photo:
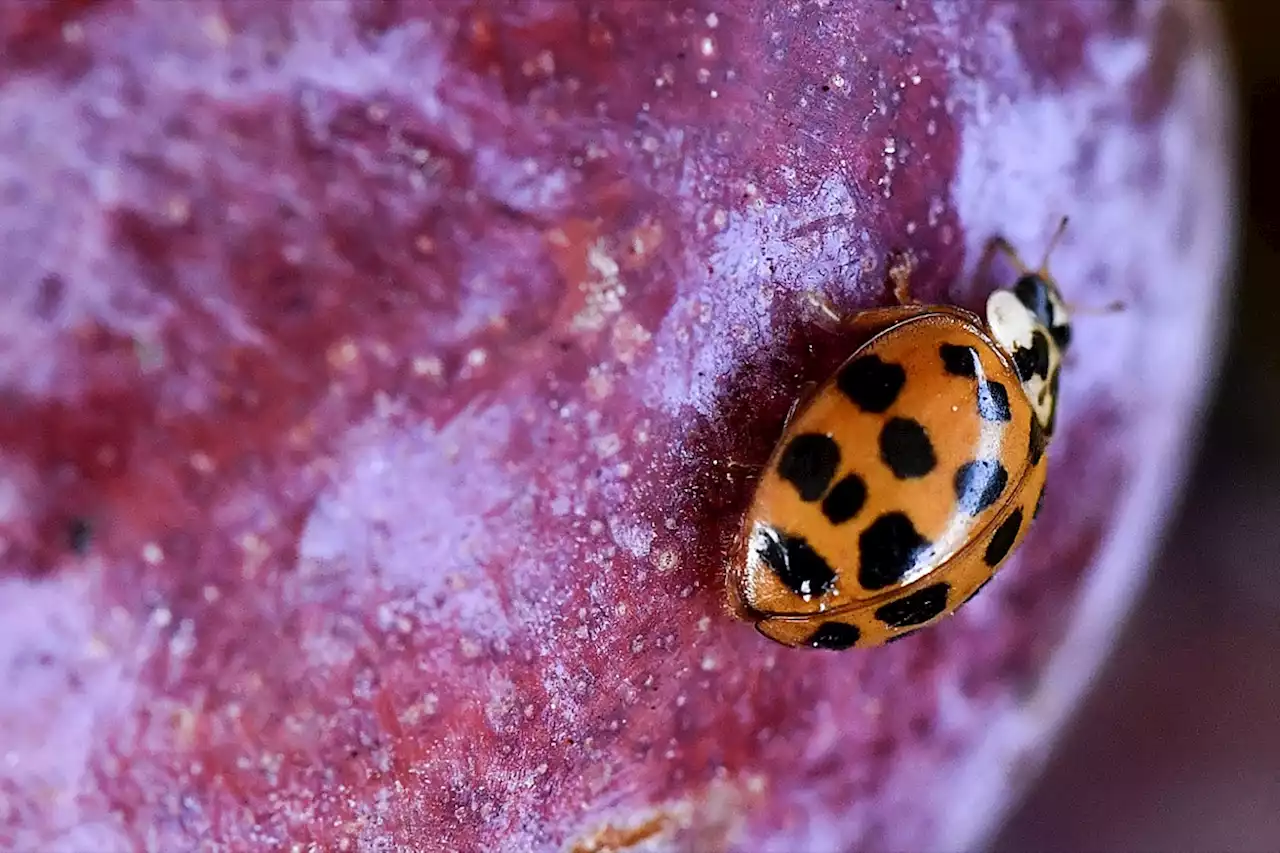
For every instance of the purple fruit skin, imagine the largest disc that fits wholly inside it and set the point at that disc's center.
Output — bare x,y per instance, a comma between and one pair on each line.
383,385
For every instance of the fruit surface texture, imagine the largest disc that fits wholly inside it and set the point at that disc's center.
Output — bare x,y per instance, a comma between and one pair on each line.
384,385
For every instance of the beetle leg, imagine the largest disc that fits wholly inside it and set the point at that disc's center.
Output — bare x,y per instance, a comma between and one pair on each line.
1004,247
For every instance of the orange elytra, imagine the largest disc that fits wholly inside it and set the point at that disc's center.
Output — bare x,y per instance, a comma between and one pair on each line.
902,483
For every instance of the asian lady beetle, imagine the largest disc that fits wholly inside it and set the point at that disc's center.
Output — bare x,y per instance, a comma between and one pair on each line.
901,485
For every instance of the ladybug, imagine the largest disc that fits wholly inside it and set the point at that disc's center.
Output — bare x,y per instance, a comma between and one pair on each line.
902,484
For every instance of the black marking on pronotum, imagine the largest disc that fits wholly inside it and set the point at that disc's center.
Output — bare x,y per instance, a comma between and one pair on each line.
871,383
795,562
1033,360
836,636
917,608
1061,335
1033,292
887,550
809,462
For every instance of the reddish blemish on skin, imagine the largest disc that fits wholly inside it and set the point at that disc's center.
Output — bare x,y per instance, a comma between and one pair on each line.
382,385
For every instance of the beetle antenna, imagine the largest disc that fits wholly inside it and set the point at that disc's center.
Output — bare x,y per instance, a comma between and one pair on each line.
1098,310
1053,244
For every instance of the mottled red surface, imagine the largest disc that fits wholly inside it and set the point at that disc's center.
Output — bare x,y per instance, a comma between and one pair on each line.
408,364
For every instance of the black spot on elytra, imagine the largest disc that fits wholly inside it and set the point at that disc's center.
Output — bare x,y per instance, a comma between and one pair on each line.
836,636
915,609
808,463
1036,441
845,499
1061,336
1002,541
1053,400
797,565
1033,360
905,448
871,383
1033,292
887,550
959,360
993,402
1039,505
978,484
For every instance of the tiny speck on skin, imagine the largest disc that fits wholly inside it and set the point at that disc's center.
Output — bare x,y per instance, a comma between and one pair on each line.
343,354
607,445
428,366
178,210
97,649
383,352
106,456
216,30
79,535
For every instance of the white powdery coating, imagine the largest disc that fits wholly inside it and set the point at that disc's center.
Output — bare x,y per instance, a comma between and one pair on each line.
355,537
71,153
759,248
50,637
1174,287
51,196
